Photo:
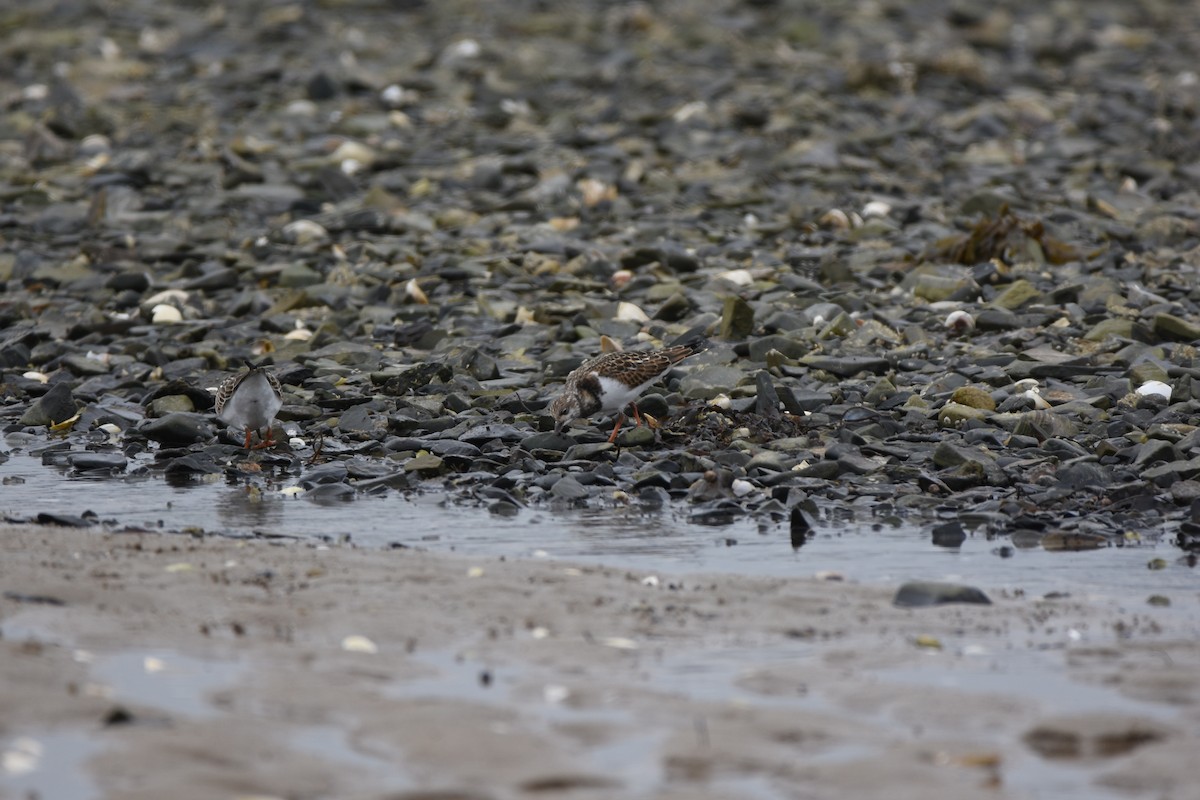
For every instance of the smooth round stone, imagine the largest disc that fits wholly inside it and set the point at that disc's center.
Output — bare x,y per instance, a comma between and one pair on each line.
548,440
330,493
178,428
425,463
169,404
974,397
587,452
641,436
920,594
568,488
97,461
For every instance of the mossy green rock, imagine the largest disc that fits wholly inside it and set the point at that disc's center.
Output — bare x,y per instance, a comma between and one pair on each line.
973,396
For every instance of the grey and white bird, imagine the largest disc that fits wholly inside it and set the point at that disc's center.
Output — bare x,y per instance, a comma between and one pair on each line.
249,401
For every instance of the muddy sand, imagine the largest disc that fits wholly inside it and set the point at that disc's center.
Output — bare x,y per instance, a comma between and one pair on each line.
150,666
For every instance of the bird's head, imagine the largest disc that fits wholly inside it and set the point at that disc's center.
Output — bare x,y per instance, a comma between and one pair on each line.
564,409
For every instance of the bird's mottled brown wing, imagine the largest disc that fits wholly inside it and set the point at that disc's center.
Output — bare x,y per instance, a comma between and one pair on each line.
227,388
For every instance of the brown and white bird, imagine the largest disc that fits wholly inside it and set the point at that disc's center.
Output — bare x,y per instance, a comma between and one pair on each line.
612,381
250,400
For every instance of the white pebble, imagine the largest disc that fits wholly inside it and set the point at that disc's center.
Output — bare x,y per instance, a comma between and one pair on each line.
741,488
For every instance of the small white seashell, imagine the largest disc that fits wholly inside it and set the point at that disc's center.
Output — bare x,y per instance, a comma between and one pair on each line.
21,757
721,401
1026,385
167,296
628,312
299,334
163,314
40,377
738,277
960,321
291,491
359,644
392,95
539,632
876,208
352,150
1039,402
835,218
619,643
414,292
650,580
1155,387
621,277
301,108
553,694
304,231
829,575
741,488
689,110
462,49
350,166
475,572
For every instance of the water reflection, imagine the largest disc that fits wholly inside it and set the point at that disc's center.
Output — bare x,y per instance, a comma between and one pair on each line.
250,507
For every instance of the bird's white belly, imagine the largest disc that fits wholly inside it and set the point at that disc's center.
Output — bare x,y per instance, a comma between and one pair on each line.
616,395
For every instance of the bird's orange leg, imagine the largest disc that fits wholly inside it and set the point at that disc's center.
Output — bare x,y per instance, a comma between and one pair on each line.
636,419
267,441
620,422
246,445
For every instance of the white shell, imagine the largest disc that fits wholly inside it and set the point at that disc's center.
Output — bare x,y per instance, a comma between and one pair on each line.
359,644
960,321
1155,387
738,277
163,314
741,488
876,208
303,231
628,312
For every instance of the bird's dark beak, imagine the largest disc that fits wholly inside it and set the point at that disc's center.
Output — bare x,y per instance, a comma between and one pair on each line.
558,426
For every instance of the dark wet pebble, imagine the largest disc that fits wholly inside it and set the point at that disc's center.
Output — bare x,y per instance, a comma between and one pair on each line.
330,493
98,461
54,406
949,534
177,428
918,594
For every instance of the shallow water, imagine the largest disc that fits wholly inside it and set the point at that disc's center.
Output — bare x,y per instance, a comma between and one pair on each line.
864,550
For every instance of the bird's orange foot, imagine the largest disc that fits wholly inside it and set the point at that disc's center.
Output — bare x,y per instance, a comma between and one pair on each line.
620,421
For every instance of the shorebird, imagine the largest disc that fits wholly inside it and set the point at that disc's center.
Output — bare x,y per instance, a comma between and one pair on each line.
250,400
612,381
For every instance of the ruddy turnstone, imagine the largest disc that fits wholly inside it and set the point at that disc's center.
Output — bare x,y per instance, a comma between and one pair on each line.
612,381
250,400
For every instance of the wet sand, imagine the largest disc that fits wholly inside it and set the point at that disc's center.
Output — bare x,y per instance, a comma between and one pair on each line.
147,666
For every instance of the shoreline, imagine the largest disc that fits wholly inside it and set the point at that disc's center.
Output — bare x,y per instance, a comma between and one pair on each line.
204,666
